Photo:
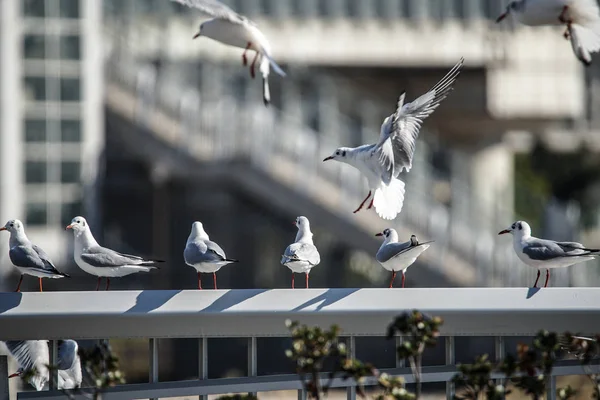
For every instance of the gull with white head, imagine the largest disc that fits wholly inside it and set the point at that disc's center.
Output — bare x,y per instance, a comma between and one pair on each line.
546,254
236,30
302,255
27,257
100,261
382,162
395,256
203,254
581,18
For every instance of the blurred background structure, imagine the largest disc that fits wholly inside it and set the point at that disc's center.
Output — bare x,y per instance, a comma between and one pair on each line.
109,109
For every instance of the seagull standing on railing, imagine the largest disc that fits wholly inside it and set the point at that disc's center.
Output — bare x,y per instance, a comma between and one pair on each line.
382,162
33,357
581,17
100,261
395,256
27,257
302,255
203,254
542,253
236,30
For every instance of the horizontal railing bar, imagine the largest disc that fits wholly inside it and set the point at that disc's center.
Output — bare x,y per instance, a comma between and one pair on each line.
273,382
262,312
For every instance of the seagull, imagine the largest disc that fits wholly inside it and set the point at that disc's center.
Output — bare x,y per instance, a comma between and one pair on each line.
542,253
27,257
33,356
581,18
100,261
302,255
382,162
395,256
236,30
203,254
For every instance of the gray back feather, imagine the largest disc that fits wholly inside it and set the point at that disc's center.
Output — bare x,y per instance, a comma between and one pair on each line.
26,256
543,250
203,251
303,252
391,250
215,9
99,256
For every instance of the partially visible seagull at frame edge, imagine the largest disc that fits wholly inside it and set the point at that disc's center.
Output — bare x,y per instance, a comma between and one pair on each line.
203,254
236,30
29,258
100,261
546,254
302,255
33,357
581,18
382,162
395,256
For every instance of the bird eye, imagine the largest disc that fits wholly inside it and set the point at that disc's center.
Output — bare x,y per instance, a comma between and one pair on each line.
12,224
337,153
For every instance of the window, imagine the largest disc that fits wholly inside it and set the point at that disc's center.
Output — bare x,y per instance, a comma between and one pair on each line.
36,214
69,8
34,8
35,130
70,172
69,47
35,172
34,46
70,130
69,89
70,211
35,88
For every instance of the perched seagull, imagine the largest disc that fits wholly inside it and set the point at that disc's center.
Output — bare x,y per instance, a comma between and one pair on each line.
27,257
542,253
231,28
203,254
581,17
33,356
382,162
100,261
302,255
395,256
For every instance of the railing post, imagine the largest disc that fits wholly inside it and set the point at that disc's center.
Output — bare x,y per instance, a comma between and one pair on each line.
351,352
4,393
54,364
551,389
153,347
252,360
499,351
203,362
450,360
399,361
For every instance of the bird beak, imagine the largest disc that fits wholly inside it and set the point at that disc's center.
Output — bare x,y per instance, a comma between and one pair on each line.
328,158
69,227
294,223
379,234
503,232
197,35
14,375
3,229
501,17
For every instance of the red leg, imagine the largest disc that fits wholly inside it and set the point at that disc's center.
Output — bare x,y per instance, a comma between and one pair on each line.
107,283
252,67
536,279
547,277
215,280
307,280
199,282
566,35
40,279
393,277
403,278
98,284
563,15
19,285
292,280
244,58
363,203
370,204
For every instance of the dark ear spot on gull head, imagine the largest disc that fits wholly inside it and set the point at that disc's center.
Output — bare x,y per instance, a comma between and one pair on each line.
413,240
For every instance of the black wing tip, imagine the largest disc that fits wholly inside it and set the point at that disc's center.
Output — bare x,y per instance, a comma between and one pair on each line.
232,260
65,275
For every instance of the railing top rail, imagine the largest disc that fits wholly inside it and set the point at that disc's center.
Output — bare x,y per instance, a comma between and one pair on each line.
262,312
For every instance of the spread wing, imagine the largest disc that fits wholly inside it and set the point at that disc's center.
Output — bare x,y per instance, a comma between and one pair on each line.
30,355
399,131
99,256
215,9
302,252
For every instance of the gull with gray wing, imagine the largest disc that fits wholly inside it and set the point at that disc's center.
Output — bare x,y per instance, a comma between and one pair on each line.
203,254
236,30
546,254
27,257
302,255
100,261
381,163
395,256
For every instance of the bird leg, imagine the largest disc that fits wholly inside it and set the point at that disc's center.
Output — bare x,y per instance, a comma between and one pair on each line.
536,279
403,278
19,285
370,204
244,58
98,284
252,66
292,280
107,283
547,277
567,35
563,15
393,277
40,279
363,203
215,280
307,280
199,282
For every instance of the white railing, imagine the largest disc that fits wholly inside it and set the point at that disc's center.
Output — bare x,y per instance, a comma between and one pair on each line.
257,313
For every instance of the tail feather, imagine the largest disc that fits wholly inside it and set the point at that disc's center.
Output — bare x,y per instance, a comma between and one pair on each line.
151,263
388,199
232,260
274,65
584,41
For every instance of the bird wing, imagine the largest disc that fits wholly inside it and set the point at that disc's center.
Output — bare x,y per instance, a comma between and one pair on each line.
45,259
203,251
544,250
215,9
302,252
99,256
69,364
26,256
31,354
391,250
399,131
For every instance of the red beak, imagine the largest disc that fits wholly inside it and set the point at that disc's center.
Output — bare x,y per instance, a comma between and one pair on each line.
3,229
69,227
14,375
196,35
328,158
379,234
501,17
503,232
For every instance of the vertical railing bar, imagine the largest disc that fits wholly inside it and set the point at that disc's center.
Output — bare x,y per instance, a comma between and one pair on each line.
203,362
450,360
499,351
4,392
54,365
153,361
551,390
252,359
302,394
399,361
351,352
